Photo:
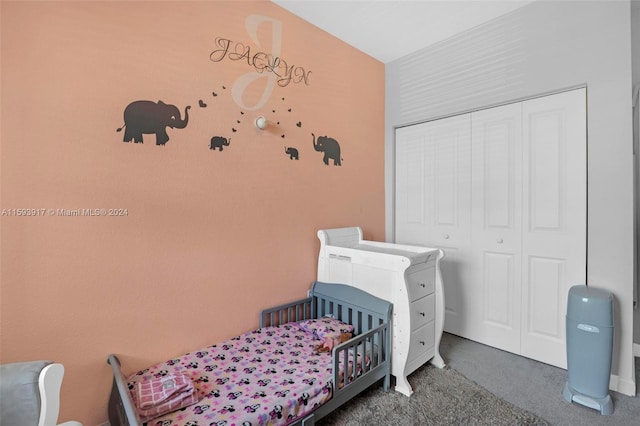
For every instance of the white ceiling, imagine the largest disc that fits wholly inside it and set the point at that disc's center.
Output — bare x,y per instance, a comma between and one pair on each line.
390,29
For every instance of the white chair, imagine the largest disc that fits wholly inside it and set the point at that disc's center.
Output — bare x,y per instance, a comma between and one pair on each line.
30,393
49,383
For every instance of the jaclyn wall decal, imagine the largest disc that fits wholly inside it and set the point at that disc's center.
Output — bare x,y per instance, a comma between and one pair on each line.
269,66
330,147
292,153
148,117
260,62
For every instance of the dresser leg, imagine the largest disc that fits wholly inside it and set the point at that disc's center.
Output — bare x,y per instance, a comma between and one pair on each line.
437,361
403,386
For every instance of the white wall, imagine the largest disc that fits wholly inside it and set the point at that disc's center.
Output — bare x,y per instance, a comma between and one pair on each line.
635,58
544,47
635,40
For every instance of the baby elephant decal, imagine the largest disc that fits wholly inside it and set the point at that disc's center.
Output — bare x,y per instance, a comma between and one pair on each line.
292,153
330,147
219,142
148,117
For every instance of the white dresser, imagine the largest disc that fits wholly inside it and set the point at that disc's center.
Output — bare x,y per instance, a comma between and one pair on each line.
409,276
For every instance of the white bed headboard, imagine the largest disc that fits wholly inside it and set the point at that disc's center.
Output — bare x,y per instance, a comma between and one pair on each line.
342,237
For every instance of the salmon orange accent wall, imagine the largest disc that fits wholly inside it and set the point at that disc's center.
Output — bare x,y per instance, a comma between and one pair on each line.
209,237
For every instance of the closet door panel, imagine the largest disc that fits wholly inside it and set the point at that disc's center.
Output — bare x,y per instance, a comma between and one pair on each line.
554,219
433,202
456,305
496,226
498,280
546,278
448,176
411,184
448,170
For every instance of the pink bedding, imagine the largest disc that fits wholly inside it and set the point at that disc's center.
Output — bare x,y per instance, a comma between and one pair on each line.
270,376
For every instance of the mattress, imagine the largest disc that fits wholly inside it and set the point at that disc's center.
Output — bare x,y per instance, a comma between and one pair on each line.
269,376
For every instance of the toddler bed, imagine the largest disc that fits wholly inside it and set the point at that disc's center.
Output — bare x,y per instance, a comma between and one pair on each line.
270,376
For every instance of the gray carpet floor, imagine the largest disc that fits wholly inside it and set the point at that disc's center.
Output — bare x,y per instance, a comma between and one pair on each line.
531,385
481,386
440,397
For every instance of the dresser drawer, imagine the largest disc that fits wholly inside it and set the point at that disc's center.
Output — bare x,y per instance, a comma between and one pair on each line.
421,282
423,311
422,341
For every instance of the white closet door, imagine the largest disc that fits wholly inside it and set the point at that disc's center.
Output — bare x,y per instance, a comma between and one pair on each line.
433,200
554,219
494,296
503,192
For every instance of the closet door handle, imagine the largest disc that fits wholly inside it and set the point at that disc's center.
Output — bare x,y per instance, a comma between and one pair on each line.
446,236
500,240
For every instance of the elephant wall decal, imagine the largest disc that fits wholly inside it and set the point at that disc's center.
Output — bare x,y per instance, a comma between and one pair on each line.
219,142
292,153
330,147
147,117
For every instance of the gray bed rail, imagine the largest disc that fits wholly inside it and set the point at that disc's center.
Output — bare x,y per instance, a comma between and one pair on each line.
369,352
122,411
299,310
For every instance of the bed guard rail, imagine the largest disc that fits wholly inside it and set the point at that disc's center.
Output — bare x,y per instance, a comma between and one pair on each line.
121,411
299,310
360,356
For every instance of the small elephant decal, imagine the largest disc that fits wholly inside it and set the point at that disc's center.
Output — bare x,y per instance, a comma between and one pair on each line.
146,117
292,153
330,147
219,142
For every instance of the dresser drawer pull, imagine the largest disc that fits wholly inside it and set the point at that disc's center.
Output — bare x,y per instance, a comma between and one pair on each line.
339,257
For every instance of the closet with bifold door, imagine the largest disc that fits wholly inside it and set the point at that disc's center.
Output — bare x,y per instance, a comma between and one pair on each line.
503,191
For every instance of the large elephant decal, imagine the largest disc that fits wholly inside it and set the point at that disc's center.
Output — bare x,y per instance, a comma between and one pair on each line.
146,117
330,147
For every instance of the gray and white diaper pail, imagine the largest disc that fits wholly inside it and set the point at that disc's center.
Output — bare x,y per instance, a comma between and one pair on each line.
589,346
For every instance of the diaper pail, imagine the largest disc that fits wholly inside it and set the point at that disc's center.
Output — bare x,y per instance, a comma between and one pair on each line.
589,345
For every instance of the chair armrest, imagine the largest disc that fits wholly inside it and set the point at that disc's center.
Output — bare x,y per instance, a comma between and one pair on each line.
49,383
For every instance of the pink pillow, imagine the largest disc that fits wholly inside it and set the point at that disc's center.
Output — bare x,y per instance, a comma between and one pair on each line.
327,327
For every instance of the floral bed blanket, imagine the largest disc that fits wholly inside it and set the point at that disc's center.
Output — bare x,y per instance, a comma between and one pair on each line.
270,376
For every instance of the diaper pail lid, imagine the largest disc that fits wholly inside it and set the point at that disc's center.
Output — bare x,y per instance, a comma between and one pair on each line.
590,306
